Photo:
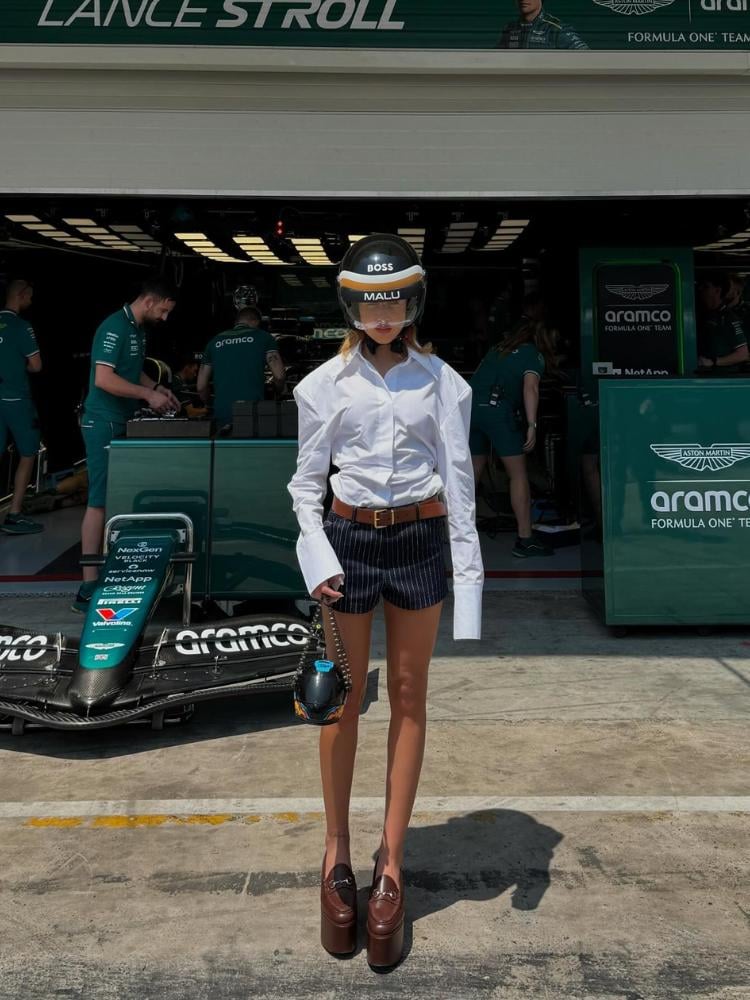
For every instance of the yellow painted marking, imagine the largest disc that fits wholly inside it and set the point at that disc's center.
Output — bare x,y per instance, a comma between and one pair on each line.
156,820
57,822
216,820
128,822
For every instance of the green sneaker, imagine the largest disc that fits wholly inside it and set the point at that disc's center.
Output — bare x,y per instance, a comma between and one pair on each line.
17,524
82,599
528,548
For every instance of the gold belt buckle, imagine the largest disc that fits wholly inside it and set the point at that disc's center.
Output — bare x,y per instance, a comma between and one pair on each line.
387,524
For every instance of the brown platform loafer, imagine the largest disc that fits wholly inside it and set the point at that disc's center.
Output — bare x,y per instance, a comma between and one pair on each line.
385,922
338,910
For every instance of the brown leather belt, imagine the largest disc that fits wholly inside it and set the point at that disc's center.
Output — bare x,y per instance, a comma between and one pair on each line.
386,517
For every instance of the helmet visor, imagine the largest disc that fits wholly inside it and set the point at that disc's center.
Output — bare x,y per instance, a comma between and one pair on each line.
380,301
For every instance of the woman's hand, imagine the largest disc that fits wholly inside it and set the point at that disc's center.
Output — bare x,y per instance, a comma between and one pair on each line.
328,592
530,443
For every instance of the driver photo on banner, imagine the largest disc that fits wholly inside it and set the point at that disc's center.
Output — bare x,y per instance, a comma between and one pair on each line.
536,28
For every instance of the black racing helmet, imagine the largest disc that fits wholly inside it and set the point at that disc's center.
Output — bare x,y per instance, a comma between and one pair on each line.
381,268
319,693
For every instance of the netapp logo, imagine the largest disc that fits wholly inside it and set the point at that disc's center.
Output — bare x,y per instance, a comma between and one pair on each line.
243,639
637,7
638,316
636,293
382,296
700,459
21,647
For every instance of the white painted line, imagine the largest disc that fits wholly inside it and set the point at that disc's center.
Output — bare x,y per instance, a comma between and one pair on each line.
440,804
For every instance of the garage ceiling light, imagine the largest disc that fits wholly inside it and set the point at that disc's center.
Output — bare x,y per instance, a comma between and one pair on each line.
258,250
459,236
40,227
126,229
79,222
415,237
311,251
22,218
191,236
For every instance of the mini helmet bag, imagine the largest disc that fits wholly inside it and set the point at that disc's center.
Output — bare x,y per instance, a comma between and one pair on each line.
321,685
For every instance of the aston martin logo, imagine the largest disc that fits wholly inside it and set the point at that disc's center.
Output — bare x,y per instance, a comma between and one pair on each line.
699,459
636,7
637,293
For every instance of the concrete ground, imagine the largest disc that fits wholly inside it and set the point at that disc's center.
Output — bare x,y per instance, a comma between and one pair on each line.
581,831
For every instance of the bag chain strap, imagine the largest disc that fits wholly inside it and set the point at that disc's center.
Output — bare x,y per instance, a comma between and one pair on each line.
317,635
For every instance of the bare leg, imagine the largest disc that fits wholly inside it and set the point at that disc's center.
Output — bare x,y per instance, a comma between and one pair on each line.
21,482
92,536
410,642
479,462
338,743
520,494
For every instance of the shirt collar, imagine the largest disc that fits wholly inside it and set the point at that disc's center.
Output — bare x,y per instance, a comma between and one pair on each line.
355,357
130,317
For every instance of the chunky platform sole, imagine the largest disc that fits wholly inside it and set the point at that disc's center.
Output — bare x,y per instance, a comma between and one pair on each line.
385,951
337,939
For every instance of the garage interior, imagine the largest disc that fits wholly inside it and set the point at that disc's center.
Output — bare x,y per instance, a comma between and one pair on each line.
86,256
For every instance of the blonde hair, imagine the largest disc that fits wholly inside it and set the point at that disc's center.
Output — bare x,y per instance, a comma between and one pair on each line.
355,337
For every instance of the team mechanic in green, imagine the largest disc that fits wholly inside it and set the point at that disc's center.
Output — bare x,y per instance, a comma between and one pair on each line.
536,29
722,340
117,385
505,384
236,360
19,355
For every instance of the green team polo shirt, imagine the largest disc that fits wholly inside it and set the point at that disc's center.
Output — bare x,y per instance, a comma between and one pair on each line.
238,366
120,343
507,371
721,333
17,345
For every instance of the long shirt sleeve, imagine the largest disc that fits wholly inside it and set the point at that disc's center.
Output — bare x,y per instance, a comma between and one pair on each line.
317,560
456,471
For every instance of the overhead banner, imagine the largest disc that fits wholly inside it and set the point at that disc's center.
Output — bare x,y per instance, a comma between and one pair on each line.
610,25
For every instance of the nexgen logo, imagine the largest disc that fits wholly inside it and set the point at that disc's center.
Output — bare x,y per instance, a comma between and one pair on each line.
110,615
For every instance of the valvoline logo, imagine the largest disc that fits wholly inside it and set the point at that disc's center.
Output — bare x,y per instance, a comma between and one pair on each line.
110,615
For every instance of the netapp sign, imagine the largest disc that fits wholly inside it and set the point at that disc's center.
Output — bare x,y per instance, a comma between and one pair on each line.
417,24
638,326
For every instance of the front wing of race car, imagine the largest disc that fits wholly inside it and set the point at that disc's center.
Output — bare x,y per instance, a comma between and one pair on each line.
173,667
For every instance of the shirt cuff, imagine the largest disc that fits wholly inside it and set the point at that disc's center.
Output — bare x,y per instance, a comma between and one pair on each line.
467,610
316,558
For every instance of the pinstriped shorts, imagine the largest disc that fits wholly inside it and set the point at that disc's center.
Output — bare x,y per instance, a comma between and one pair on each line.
404,563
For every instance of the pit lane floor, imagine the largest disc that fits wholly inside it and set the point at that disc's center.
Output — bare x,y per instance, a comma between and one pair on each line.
581,831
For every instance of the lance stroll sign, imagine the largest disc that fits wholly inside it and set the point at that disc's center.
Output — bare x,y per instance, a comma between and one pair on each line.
418,24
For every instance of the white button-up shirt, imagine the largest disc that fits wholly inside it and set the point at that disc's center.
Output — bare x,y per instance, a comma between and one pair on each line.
396,440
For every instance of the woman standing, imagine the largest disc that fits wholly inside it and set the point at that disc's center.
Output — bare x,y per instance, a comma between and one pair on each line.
394,420
504,412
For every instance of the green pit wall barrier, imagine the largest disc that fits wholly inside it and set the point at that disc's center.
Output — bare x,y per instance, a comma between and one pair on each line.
235,493
675,469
